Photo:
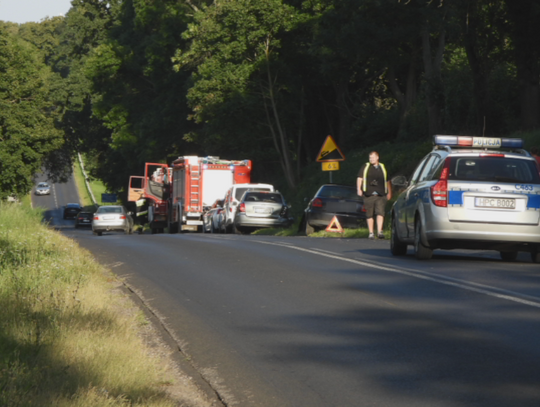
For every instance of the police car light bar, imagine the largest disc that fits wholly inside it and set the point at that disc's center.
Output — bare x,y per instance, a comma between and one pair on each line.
477,142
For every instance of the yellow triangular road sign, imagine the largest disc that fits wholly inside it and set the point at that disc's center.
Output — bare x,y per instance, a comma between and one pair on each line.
330,151
334,226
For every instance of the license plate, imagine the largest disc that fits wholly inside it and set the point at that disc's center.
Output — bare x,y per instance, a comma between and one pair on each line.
194,222
264,210
108,217
495,203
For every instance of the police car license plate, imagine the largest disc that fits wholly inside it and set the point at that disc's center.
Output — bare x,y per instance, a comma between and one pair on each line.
495,203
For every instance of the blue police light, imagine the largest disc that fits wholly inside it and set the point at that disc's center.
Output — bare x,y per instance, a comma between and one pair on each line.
512,143
477,142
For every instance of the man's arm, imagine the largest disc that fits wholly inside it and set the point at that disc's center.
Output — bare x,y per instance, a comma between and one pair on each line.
359,186
389,194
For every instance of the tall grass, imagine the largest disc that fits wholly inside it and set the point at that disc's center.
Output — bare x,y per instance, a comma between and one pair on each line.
62,340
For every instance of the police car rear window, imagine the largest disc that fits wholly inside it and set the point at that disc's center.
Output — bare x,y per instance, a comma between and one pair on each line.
493,169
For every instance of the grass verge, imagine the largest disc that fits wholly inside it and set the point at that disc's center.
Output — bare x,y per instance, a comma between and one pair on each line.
63,341
97,188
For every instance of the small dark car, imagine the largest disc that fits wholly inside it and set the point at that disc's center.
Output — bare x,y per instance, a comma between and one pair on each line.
71,210
333,200
84,219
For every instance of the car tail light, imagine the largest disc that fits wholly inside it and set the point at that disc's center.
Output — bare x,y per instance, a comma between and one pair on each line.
439,191
317,203
96,217
122,216
242,207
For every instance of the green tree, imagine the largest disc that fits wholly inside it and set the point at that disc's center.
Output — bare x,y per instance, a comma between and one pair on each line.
27,113
236,46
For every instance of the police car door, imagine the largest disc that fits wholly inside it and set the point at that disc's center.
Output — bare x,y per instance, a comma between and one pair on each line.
419,195
400,208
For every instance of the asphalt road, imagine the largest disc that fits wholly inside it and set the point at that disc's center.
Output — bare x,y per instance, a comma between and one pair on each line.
300,321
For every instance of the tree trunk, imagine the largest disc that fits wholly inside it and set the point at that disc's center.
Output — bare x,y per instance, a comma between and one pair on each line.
281,141
523,16
405,100
479,68
432,69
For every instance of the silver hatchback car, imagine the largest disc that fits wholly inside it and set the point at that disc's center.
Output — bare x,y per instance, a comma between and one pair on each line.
112,218
470,193
261,209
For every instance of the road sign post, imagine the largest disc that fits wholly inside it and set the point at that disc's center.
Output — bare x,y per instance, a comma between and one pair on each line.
330,156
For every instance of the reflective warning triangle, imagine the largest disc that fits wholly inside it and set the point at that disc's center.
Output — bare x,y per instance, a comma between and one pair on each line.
330,151
334,226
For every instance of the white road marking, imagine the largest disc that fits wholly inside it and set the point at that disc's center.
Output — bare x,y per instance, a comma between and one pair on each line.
453,282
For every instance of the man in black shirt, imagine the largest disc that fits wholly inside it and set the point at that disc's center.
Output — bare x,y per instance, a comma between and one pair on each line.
372,183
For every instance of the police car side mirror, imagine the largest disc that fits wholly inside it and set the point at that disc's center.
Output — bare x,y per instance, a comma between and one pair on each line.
400,181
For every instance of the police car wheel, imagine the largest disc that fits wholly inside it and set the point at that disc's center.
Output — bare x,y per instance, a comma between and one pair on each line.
535,254
508,256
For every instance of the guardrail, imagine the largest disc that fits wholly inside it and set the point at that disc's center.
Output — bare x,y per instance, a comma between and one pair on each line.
86,181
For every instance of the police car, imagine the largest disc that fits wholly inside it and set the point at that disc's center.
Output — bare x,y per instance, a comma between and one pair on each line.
470,193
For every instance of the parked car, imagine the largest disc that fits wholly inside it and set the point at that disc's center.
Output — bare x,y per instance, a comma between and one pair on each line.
213,218
332,200
43,188
71,210
84,219
112,218
470,193
261,209
232,198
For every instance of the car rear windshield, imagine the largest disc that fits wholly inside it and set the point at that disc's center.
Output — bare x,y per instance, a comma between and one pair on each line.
105,209
241,191
338,192
494,169
263,197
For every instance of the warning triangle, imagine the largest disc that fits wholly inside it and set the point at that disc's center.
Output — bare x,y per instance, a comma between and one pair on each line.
334,226
330,151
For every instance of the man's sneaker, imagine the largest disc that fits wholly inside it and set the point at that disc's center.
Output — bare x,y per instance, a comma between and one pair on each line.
371,236
381,235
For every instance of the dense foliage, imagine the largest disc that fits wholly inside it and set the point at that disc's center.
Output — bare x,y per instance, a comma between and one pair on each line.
148,80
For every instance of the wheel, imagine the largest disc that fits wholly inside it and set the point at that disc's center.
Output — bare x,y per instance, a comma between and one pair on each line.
309,229
397,247
235,230
153,231
535,255
302,224
508,256
99,233
420,251
172,227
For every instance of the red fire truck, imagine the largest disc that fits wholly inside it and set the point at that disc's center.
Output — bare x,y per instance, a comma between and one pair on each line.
176,197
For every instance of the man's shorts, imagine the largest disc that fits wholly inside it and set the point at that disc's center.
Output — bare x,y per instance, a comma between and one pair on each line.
375,205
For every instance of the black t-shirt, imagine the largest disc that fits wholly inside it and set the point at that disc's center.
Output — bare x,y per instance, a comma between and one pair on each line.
375,180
